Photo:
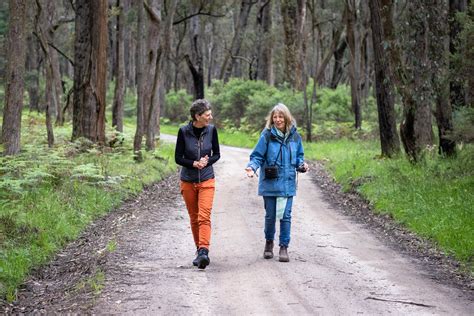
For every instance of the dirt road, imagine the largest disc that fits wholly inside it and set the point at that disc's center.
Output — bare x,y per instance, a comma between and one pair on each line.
337,267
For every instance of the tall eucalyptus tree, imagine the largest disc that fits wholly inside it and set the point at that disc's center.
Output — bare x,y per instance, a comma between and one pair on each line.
90,70
14,77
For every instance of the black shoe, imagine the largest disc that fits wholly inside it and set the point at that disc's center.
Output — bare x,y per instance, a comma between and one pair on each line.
195,261
202,259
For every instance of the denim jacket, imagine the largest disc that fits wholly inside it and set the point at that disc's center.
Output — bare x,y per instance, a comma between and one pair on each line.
266,153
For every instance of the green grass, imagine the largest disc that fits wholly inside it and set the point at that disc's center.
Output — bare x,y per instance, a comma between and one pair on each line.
48,196
434,198
169,129
94,283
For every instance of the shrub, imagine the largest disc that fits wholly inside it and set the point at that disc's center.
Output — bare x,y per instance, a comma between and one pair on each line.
463,125
231,101
334,104
177,105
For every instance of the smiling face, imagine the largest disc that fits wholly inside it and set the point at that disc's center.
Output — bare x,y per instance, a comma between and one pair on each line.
204,119
279,121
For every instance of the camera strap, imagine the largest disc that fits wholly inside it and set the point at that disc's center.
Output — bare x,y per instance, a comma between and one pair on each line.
279,154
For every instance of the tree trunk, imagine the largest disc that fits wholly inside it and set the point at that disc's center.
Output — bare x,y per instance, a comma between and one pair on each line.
140,68
416,129
327,57
198,78
412,80
57,85
457,91
366,59
152,75
293,13
229,59
162,52
177,58
439,54
90,70
265,42
129,48
50,106
196,67
33,70
52,101
338,64
47,20
389,140
354,48
11,128
211,48
117,108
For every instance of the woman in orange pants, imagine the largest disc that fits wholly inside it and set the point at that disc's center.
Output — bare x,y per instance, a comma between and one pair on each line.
197,149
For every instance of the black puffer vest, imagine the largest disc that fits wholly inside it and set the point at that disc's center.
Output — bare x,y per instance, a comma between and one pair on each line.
195,149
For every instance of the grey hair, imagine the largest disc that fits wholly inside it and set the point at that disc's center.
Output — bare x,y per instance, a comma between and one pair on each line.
199,107
281,108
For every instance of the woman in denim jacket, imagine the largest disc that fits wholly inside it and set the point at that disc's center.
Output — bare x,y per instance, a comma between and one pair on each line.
279,147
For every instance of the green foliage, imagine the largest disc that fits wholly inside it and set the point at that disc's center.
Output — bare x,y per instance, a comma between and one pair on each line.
95,283
462,62
463,125
334,105
245,104
48,196
167,128
238,139
130,104
230,103
433,198
177,106
33,167
327,130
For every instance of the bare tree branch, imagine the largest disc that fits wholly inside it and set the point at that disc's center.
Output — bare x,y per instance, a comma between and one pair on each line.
198,13
398,301
63,54
153,16
61,21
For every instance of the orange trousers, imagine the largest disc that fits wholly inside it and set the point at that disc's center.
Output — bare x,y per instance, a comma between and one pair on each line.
199,198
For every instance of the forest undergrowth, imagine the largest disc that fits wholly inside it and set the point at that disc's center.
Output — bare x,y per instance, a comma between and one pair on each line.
49,195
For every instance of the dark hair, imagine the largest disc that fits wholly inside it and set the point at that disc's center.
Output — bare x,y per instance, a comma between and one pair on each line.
198,107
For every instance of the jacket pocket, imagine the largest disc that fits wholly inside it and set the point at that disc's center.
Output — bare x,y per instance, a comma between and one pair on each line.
293,153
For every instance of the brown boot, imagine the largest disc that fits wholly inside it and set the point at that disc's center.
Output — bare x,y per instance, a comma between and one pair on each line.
268,252
284,254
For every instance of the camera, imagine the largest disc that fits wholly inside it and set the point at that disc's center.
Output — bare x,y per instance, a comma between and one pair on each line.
271,172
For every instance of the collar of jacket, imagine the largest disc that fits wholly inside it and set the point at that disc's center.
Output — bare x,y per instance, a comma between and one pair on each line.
274,134
189,129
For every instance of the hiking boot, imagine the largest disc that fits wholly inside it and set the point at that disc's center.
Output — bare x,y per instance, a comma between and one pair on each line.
268,251
284,254
203,258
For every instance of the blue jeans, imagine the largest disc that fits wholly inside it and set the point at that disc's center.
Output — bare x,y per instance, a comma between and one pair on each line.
270,218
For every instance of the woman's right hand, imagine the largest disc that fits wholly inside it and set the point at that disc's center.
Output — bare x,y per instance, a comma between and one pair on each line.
201,163
249,172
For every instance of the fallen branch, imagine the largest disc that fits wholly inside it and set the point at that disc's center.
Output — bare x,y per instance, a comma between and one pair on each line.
398,301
